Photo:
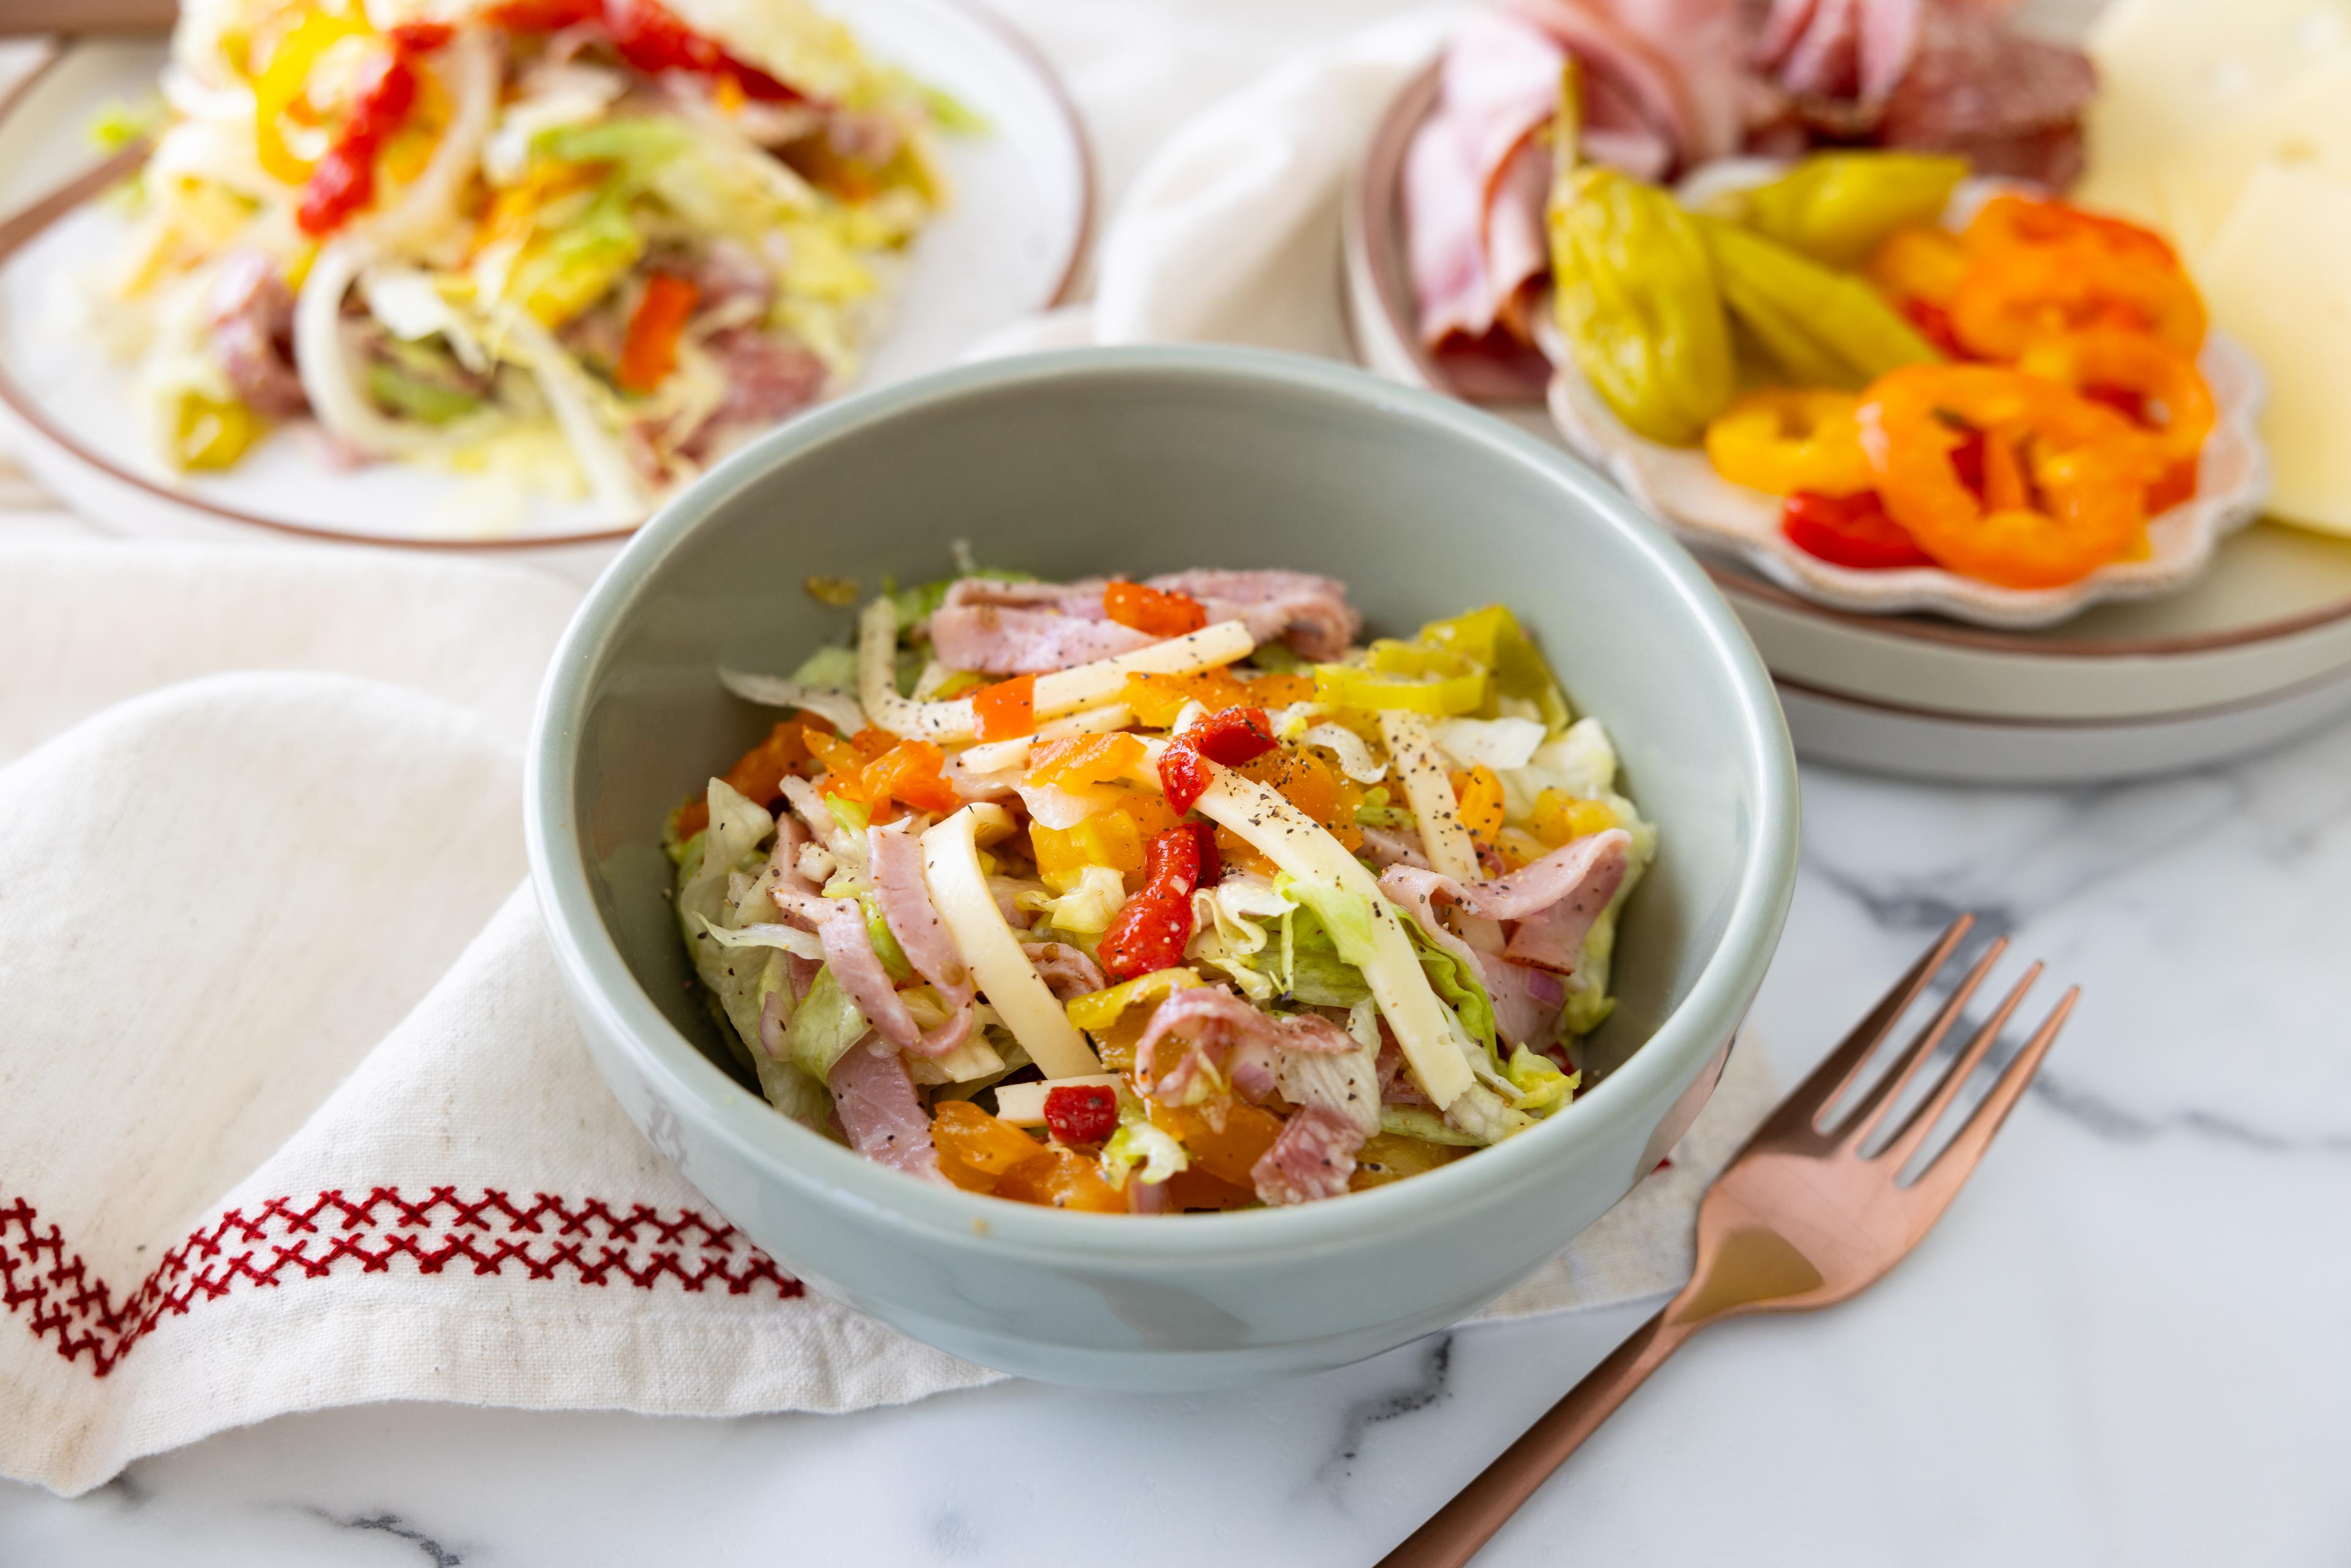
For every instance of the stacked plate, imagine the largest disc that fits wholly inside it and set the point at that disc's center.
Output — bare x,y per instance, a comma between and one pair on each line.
2255,652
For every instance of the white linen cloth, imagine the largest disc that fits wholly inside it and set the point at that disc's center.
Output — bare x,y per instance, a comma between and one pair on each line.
292,1113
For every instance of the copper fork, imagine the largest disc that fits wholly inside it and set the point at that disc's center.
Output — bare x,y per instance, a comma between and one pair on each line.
1812,1211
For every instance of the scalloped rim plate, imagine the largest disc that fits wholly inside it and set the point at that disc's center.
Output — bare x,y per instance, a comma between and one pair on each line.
1680,487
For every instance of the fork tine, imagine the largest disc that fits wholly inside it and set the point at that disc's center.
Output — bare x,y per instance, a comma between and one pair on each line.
1922,1123
1880,1101
1803,1109
1975,1135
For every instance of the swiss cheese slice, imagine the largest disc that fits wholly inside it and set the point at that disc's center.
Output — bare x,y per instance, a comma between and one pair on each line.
2276,278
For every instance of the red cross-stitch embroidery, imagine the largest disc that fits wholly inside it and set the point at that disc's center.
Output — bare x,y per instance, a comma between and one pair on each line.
587,1243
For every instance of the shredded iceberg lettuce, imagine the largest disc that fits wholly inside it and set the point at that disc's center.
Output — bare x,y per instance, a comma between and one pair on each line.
826,1024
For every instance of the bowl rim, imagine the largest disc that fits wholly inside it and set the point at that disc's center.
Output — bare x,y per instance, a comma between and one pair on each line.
600,982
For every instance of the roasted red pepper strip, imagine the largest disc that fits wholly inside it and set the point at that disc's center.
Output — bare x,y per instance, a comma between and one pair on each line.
1151,929
1183,775
1212,864
1007,709
1231,736
1849,530
344,180
1082,1113
649,349
1153,612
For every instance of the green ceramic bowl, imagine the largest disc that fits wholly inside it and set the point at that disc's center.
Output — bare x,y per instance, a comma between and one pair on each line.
1140,461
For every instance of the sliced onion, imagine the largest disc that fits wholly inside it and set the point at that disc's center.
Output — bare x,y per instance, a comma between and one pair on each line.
838,709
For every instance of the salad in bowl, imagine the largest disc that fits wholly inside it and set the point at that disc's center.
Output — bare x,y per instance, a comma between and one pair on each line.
1164,897
586,245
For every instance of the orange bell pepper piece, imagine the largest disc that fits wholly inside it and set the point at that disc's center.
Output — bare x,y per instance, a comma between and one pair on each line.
649,349
2061,491
1152,612
757,773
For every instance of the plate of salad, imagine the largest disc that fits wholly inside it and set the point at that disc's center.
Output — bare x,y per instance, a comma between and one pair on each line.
1158,897
509,271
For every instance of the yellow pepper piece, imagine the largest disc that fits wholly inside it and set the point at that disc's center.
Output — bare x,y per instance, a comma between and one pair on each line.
1478,796
1635,295
1561,817
1835,207
1824,328
1410,676
1098,1010
278,90
213,435
1785,439
1493,637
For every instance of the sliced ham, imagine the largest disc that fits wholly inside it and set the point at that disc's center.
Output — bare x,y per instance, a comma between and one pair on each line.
1025,628
1035,628
879,1109
894,858
1222,1033
768,379
1066,970
1394,846
840,925
1553,902
1311,1158
252,315
1308,612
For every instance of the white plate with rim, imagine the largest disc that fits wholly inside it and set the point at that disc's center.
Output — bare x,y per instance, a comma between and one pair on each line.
1009,243
2256,651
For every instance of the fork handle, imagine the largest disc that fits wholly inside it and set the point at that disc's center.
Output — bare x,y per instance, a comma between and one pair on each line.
1454,1534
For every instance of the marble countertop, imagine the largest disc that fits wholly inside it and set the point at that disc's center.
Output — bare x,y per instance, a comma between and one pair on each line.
2124,1346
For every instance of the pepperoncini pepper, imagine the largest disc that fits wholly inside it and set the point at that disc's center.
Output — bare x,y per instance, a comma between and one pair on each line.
1635,297
1408,676
1836,208
213,433
1493,637
1825,328
1785,439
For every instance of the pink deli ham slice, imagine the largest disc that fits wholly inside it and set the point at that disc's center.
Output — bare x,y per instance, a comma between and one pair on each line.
1035,628
1554,900
1066,970
1220,1031
840,925
1312,1157
879,1109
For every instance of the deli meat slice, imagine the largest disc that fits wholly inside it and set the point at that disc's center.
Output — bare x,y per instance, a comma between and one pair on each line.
1025,628
840,925
1553,902
879,1109
1311,1158
1222,1033
2012,104
1309,612
1035,628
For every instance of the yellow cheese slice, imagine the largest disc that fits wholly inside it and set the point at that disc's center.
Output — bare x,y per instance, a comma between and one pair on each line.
2276,278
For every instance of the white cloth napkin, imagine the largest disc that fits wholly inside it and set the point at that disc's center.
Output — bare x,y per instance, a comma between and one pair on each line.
292,1113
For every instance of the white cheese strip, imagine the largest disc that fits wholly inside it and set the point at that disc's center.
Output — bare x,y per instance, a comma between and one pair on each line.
1023,1104
1090,685
1299,845
1062,692
999,755
1429,792
1013,988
